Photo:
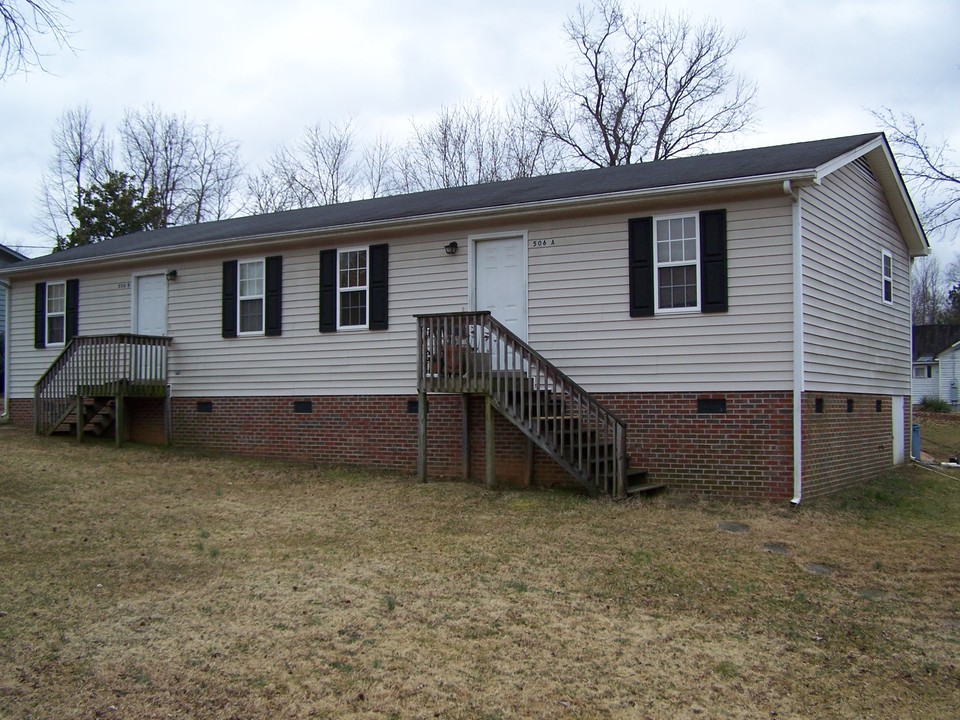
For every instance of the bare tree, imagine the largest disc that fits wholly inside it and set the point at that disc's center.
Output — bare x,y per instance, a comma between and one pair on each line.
643,88
930,302
81,155
24,21
376,171
930,167
320,169
194,168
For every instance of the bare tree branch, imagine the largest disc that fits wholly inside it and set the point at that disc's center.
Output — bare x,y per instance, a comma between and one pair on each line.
929,167
643,88
24,22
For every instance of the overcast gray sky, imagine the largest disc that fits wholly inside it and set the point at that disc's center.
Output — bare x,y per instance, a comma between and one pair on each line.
263,71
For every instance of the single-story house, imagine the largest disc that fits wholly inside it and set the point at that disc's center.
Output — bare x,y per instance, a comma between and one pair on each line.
936,363
736,323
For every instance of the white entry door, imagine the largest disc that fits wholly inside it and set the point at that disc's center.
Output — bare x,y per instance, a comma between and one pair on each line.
150,304
500,281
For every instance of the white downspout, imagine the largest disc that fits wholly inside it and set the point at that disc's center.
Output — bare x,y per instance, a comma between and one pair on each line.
798,376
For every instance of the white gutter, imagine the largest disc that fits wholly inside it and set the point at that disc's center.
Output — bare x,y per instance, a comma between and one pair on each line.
798,375
240,242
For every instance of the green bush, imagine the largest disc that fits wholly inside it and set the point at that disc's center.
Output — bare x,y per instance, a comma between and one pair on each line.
936,405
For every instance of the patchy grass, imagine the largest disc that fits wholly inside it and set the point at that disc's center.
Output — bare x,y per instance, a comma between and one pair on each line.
144,583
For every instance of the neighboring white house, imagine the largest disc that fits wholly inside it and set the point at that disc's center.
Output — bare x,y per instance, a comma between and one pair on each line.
741,321
936,363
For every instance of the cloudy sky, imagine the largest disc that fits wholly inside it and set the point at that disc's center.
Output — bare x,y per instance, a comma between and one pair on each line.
263,71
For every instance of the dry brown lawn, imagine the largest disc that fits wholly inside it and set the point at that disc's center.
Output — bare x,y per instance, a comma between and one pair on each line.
145,583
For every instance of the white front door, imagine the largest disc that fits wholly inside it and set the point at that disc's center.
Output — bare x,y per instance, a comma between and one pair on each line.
150,304
500,281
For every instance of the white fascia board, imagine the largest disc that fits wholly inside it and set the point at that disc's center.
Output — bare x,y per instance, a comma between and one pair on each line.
798,178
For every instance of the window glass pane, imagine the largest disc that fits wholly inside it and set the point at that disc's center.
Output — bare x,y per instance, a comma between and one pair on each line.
251,315
663,251
678,287
251,279
689,227
676,228
353,308
690,249
56,298
55,326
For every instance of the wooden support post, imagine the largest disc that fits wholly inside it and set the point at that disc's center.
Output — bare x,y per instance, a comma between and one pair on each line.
167,417
465,436
422,436
120,418
80,415
489,459
528,468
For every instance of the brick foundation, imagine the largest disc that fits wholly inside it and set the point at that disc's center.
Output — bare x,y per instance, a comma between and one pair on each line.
847,439
682,439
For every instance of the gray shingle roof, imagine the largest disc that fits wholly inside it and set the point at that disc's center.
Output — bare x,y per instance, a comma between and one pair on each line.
931,340
740,164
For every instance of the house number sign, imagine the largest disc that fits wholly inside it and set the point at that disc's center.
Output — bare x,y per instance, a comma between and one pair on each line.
123,285
543,243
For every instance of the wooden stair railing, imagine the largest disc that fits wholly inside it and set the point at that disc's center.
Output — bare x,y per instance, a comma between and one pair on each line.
474,353
99,366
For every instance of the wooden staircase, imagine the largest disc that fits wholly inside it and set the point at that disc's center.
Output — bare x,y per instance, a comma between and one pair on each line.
83,392
98,414
472,353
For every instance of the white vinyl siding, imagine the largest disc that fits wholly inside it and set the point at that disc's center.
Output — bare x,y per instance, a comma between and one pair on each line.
578,308
579,314
105,309
853,341
927,384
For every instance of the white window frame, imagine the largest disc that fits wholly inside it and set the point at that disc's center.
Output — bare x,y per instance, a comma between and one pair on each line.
365,288
262,296
925,372
886,283
48,314
657,264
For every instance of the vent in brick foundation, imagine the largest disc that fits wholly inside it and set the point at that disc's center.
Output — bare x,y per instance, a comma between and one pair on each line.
303,406
849,405
879,405
413,406
818,405
711,406
204,406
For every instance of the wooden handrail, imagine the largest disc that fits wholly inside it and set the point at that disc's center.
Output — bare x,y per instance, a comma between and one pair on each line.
472,352
97,364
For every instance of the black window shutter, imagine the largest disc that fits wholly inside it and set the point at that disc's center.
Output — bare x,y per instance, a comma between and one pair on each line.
72,328
328,291
641,267
40,315
713,261
229,314
379,273
274,295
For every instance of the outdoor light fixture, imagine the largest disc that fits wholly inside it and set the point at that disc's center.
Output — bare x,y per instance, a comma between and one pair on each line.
172,275
451,248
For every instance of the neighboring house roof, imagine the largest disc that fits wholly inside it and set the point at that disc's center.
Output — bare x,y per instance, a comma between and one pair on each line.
797,162
931,340
8,255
